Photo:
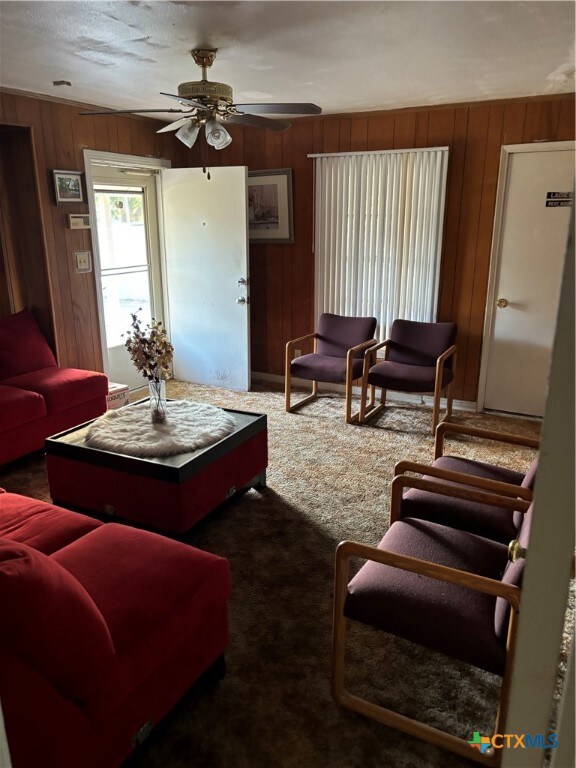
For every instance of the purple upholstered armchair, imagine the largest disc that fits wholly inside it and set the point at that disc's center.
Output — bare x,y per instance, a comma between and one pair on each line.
462,493
445,589
339,345
419,357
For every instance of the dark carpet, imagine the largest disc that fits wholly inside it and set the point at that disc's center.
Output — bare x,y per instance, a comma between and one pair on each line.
327,481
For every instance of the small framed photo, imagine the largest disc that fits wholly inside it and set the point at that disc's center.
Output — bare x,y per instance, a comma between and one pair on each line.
68,186
270,217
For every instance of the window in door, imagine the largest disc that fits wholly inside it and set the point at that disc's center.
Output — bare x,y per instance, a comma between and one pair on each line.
129,262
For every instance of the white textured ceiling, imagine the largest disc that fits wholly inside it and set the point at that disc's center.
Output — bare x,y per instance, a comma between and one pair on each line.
344,56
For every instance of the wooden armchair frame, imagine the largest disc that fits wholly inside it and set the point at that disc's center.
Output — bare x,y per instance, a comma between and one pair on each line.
445,429
439,738
291,407
469,487
368,407
479,489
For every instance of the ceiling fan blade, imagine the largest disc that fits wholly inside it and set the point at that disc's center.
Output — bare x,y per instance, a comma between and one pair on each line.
279,109
257,122
188,102
128,111
175,125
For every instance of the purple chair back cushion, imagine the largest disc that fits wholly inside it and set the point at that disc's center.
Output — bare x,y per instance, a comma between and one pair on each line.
416,343
337,333
513,574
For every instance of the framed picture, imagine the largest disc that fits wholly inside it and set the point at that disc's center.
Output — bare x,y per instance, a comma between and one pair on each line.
270,217
68,186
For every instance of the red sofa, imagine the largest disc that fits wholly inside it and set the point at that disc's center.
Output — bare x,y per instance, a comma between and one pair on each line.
104,628
38,398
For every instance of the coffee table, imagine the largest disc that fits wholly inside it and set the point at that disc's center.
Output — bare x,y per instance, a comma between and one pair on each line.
169,493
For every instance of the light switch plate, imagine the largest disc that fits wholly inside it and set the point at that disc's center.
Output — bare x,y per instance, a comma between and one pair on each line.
79,220
83,261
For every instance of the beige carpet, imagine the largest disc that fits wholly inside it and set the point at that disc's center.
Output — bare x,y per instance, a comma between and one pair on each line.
327,481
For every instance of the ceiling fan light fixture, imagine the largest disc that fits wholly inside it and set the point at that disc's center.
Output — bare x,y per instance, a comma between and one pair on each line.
216,135
188,134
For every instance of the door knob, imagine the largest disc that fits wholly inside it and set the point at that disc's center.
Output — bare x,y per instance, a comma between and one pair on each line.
502,303
516,551
241,300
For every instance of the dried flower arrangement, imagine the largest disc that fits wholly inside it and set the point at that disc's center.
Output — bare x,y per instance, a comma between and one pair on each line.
152,354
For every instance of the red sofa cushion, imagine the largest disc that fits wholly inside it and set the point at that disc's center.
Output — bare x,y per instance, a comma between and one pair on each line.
62,388
19,406
23,348
51,623
133,599
40,525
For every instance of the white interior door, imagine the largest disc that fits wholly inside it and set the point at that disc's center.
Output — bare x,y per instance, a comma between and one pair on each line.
206,242
530,235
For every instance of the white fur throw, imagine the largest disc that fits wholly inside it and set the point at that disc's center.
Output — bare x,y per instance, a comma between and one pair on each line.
188,426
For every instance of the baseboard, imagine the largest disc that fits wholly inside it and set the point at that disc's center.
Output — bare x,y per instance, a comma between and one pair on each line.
401,397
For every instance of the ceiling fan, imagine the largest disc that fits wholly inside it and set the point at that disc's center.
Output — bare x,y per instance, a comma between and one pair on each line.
210,104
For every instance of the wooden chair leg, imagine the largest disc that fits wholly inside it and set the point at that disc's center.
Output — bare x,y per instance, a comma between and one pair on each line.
372,409
365,405
287,386
436,409
305,400
448,402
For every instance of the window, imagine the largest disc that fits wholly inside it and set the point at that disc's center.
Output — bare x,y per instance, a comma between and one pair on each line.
378,233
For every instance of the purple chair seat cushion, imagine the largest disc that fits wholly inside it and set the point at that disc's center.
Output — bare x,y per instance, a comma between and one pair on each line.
400,377
317,367
492,522
447,618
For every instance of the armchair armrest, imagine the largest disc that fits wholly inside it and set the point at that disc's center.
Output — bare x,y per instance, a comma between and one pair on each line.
453,350
496,486
370,355
306,337
365,345
487,434
456,491
348,549
292,343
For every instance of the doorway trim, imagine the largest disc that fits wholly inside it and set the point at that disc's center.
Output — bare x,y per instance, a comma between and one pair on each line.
495,254
112,160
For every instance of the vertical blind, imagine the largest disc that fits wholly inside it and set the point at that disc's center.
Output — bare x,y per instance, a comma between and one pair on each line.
378,233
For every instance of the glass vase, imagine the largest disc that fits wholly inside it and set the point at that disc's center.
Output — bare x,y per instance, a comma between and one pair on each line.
157,389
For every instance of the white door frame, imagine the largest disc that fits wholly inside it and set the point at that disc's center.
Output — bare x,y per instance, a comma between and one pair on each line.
114,160
547,575
506,151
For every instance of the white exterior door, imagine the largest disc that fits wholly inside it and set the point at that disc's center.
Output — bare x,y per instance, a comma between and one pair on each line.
206,243
530,234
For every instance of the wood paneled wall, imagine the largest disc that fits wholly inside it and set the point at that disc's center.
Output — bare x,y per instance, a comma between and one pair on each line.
282,276
59,135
